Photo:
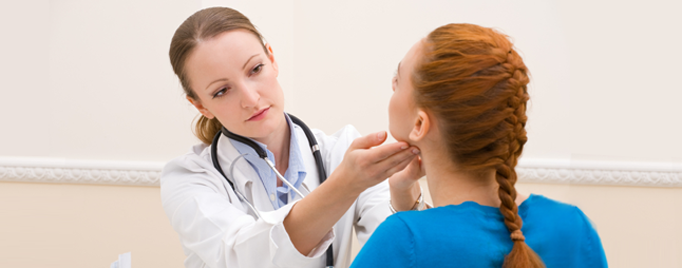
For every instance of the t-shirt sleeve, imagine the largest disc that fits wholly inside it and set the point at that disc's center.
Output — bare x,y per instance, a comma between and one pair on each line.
592,249
391,245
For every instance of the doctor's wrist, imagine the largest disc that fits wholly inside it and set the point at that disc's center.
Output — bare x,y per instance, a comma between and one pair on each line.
340,182
403,200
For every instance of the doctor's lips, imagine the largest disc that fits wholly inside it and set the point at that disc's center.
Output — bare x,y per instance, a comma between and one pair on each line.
259,115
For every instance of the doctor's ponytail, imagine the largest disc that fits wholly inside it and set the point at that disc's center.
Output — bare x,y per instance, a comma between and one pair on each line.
474,82
203,25
205,129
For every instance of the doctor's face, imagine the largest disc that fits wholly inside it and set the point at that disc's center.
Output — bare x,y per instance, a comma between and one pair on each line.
235,80
402,110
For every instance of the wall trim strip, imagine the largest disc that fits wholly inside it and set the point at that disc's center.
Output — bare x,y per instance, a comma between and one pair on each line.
655,174
138,173
55,170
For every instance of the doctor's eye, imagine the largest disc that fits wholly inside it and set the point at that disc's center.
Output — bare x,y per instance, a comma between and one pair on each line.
220,92
257,69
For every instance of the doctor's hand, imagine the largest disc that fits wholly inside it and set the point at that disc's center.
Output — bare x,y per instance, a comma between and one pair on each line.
367,162
405,189
406,178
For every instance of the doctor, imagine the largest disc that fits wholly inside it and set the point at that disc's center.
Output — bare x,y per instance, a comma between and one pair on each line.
230,76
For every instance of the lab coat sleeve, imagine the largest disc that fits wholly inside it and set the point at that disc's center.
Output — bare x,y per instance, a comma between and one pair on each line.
372,205
371,210
217,231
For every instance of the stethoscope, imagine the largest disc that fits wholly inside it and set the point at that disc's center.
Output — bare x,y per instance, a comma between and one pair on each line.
263,155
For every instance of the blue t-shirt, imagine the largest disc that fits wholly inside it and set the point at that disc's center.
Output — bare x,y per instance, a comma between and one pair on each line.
472,235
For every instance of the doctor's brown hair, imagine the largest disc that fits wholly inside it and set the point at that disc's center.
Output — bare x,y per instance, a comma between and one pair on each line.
474,82
203,25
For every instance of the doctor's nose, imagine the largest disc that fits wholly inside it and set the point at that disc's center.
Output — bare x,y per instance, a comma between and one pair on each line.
250,97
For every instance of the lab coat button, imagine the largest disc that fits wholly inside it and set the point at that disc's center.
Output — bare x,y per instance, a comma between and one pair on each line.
272,197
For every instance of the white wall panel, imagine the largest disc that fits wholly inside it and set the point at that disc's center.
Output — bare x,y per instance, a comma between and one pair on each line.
92,80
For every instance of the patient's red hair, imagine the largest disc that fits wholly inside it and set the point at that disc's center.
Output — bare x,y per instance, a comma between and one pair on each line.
471,78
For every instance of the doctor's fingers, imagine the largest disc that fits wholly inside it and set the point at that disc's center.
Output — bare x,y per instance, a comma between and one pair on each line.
390,151
375,172
376,161
404,179
368,141
398,167
398,161
413,171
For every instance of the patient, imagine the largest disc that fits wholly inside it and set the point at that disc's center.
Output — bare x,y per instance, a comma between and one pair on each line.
460,96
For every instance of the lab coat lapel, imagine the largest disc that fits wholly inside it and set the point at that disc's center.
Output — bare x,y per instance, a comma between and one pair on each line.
245,178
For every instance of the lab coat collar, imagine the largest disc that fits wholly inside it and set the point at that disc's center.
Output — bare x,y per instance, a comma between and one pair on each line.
296,171
242,171
244,175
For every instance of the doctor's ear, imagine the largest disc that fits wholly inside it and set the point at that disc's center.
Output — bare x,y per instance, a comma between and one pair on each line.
271,56
422,126
197,104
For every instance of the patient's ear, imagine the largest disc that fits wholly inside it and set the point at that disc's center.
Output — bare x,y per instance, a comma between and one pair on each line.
197,104
421,127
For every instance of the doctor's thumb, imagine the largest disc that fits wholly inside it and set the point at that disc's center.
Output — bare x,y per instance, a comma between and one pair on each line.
369,141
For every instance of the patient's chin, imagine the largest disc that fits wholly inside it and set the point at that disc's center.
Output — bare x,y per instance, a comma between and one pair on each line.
398,137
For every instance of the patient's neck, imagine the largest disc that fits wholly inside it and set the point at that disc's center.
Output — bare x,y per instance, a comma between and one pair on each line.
450,186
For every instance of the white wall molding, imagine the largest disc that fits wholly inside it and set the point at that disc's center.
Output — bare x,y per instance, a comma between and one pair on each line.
53,170
656,174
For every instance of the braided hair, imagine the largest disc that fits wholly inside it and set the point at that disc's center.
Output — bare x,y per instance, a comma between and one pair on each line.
474,81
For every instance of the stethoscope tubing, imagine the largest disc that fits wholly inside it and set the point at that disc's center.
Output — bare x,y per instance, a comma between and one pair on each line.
322,174
285,181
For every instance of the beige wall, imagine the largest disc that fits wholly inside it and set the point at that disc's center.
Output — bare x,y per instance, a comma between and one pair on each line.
91,80
72,225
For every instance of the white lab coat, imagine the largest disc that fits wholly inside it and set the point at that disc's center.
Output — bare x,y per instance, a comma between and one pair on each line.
217,230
